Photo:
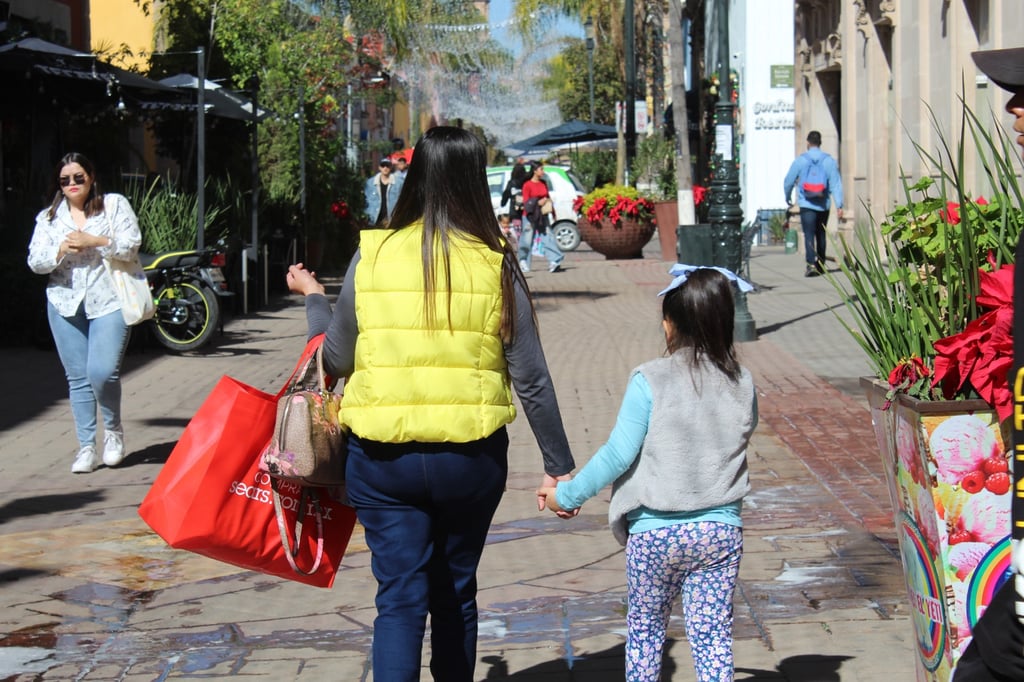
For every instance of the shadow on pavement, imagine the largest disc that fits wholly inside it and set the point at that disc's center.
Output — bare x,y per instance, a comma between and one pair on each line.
46,504
13,575
607,664
153,454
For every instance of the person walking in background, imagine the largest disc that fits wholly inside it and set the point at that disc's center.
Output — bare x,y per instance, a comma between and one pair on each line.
401,167
815,175
433,329
512,195
382,192
996,650
537,211
81,227
678,459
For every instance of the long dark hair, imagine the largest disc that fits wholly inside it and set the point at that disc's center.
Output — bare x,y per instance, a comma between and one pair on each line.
702,316
93,202
446,188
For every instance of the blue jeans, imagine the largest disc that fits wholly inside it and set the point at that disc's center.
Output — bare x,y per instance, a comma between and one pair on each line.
91,352
526,242
426,509
547,241
813,224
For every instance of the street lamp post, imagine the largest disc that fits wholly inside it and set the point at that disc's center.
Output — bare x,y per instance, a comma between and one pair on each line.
588,27
201,152
725,214
630,108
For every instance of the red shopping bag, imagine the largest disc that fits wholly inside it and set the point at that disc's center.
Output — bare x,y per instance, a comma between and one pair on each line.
212,499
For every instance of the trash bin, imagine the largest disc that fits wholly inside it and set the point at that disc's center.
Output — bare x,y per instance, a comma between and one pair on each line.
791,240
694,245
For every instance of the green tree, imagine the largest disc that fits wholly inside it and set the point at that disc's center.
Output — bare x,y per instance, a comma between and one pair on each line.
569,83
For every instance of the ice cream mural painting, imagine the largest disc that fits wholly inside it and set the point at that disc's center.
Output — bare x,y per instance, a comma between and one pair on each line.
948,475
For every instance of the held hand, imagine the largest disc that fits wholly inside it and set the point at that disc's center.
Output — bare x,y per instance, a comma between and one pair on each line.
546,496
302,281
839,213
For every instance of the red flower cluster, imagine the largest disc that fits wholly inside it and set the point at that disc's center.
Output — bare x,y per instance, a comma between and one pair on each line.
624,207
340,210
699,194
951,214
904,376
982,353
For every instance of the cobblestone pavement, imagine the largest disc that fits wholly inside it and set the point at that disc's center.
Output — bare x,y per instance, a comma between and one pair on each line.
89,593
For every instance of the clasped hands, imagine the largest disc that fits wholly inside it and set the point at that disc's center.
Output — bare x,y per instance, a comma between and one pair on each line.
78,241
546,496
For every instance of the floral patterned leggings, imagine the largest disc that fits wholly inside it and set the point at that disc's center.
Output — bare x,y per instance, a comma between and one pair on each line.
700,560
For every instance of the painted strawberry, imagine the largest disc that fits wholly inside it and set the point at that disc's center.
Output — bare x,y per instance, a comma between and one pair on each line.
959,536
973,482
998,483
995,465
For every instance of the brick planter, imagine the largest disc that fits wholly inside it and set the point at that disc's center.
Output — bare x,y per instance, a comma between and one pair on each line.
625,239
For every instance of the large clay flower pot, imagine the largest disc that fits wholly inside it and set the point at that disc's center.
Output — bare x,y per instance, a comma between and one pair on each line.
625,239
946,472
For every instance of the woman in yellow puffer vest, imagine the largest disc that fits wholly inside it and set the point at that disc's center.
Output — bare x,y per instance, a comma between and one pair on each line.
433,329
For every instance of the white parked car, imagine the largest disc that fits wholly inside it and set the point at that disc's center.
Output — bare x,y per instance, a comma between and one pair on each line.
564,188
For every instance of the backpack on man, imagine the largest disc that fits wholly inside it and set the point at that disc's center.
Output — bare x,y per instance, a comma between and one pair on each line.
815,181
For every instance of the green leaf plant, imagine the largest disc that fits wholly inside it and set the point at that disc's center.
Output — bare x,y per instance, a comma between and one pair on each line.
913,278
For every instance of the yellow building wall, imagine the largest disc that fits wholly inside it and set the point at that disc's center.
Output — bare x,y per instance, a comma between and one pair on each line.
114,23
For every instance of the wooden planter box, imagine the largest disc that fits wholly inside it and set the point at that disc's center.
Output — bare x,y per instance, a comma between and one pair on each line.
953,524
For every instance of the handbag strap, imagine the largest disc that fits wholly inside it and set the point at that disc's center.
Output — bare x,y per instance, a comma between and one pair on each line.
309,355
291,551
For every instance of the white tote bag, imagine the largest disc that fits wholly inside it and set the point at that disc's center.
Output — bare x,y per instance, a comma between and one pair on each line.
132,289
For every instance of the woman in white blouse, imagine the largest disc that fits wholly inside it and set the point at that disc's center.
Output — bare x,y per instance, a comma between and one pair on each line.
80,228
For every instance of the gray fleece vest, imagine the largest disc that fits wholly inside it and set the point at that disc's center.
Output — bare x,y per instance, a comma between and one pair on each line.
695,453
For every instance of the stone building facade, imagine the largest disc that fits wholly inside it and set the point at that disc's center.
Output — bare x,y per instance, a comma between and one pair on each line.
876,76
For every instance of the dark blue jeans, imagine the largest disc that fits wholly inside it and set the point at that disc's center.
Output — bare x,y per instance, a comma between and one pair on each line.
813,224
426,509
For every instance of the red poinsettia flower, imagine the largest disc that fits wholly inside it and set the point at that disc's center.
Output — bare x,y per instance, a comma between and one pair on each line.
982,354
699,193
951,214
340,210
577,203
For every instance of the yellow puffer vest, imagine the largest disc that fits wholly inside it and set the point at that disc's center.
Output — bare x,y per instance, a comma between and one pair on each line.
414,384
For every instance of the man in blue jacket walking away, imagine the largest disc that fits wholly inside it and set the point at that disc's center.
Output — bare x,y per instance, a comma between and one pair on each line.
816,177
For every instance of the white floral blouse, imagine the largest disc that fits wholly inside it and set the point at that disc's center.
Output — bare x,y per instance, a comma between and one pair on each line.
79,277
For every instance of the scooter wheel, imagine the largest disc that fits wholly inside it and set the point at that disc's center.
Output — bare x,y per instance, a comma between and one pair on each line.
187,315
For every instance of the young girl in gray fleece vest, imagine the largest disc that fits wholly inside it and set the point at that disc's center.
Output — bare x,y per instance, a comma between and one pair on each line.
678,459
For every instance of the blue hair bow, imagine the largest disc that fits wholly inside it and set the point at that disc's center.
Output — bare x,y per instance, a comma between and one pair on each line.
682,273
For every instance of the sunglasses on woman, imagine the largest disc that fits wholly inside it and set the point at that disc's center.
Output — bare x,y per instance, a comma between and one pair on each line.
77,179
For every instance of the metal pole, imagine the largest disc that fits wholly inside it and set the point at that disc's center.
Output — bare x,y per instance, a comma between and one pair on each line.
725,214
630,38
201,151
588,26
254,169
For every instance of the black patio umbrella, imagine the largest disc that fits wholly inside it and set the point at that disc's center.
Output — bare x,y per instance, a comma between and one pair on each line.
219,100
84,75
573,131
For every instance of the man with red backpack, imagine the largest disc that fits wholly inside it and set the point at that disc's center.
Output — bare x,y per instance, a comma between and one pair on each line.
815,175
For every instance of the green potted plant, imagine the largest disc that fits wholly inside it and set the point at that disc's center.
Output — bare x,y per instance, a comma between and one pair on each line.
655,172
932,309
615,220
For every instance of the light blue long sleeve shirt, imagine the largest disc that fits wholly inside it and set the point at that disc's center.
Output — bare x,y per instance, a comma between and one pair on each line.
798,170
616,456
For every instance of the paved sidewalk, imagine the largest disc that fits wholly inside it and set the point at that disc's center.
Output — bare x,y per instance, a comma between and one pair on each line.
89,593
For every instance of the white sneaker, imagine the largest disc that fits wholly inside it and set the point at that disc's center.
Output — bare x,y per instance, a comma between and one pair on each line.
554,267
113,448
524,266
86,461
